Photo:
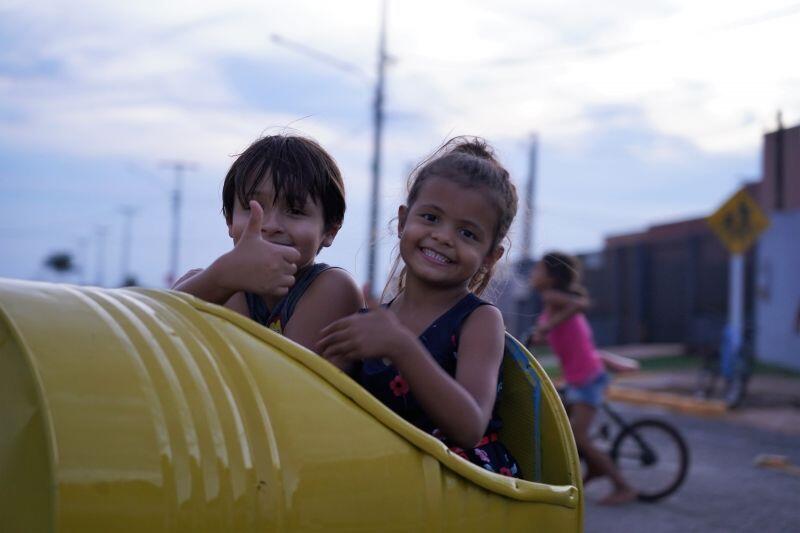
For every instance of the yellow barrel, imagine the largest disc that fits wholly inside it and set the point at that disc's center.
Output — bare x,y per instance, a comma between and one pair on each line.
147,411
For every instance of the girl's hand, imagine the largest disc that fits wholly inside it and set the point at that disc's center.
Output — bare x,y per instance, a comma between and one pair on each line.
377,333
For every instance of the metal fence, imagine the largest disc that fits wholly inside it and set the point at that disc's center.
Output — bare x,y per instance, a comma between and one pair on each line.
664,291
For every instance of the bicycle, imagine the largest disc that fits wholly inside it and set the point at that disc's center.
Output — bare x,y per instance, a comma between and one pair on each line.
735,364
651,454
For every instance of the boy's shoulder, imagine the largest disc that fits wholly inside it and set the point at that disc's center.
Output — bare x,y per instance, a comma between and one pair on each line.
333,282
332,295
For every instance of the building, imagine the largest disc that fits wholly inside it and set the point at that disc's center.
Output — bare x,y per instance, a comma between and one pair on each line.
777,297
669,283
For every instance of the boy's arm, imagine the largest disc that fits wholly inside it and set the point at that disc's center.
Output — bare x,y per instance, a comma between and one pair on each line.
204,284
183,278
566,304
333,295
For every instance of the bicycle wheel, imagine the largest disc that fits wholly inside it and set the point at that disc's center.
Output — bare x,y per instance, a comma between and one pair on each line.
653,457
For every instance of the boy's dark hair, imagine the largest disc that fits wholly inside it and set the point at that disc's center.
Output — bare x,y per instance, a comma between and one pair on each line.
470,162
565,270
297,166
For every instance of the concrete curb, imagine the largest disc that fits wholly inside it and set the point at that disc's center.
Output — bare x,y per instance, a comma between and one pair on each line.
780,463
685,404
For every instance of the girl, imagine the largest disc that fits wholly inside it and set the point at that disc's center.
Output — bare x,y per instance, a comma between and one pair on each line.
564,326
433,353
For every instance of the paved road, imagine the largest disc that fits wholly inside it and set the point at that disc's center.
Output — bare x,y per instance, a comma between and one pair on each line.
724,491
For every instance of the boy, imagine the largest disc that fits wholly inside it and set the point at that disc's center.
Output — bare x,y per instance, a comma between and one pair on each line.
283,201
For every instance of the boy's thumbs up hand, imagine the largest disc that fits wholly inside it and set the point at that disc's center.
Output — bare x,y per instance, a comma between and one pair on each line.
253,228
257,265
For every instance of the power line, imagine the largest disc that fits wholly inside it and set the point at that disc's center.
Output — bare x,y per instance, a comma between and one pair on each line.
602,50
328,59
758,19
152,178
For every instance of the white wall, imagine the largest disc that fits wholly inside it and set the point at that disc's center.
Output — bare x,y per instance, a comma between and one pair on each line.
778,291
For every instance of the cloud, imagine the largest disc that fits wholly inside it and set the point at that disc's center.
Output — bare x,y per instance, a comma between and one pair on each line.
188,61
633,100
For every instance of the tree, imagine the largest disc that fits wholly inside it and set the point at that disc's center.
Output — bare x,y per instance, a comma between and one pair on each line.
61,263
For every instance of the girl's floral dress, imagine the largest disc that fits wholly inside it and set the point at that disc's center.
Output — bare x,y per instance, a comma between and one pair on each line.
441,339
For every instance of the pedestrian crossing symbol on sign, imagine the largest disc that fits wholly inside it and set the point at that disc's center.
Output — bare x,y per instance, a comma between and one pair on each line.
739,222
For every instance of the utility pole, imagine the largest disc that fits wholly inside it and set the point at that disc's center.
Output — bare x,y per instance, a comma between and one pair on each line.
523,292
179,167
127,212
377,124
530,205
83,262
100,234
377,121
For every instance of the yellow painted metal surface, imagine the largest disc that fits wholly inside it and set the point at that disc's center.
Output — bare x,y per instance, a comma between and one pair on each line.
149,411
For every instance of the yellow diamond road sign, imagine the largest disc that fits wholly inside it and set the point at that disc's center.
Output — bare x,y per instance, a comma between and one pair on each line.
739,222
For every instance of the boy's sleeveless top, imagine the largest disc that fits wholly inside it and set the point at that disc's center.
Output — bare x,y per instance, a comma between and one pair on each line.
573,343
277,318
441,339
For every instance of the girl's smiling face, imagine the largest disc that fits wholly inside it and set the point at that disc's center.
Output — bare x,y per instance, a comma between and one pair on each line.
447,233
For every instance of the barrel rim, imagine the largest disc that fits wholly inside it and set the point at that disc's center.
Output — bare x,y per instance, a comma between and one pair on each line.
48,428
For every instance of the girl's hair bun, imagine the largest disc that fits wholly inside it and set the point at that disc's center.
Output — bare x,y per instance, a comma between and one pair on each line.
470,162
473,146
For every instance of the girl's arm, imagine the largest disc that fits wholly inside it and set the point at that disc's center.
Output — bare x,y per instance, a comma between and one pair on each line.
564,306
460,407
332,295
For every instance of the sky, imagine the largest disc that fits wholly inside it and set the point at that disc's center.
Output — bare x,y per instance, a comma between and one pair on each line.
645,112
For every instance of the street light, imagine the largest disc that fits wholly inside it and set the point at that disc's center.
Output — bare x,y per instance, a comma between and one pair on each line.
179,167
127,212
377,123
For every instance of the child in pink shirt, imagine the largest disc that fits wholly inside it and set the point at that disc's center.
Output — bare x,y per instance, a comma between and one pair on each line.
572,342
564,326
